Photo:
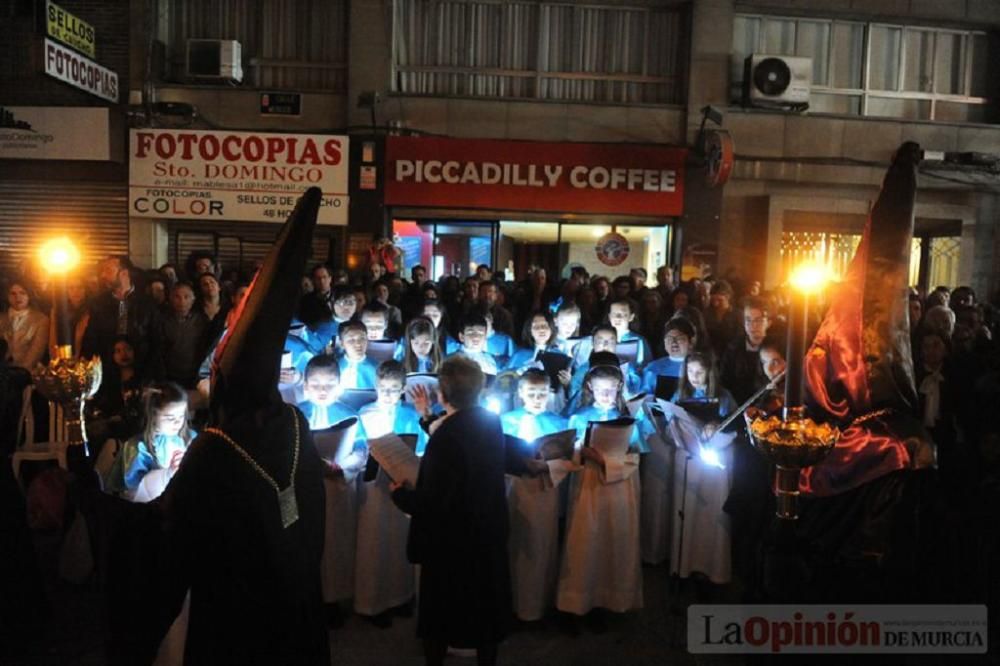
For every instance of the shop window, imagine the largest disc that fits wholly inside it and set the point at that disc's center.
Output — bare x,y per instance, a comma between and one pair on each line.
945,252
299,45
540,50
910,72
833,250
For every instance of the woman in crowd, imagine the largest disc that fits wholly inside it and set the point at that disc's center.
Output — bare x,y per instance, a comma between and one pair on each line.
24,327
537,335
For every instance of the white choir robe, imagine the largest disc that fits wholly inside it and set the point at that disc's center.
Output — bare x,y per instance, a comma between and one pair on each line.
601,566
383,576
656,473
707,532
337,565
533,506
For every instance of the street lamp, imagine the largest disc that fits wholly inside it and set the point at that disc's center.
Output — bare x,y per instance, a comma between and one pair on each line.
794,441
66,380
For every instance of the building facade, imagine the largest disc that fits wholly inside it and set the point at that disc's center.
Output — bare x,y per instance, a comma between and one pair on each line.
629,74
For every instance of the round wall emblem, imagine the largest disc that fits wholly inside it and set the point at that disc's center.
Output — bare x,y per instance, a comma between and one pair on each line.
612,249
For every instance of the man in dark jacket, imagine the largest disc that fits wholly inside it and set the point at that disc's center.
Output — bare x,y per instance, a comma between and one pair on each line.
459,529
124,310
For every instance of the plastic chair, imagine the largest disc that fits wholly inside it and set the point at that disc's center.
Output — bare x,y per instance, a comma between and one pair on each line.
30,450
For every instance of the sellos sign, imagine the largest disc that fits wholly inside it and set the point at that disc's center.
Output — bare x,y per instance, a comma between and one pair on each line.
532,175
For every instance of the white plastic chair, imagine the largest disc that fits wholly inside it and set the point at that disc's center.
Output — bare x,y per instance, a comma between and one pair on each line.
30,450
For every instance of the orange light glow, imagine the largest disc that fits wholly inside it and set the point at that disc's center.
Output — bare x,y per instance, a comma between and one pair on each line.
59,255
809,278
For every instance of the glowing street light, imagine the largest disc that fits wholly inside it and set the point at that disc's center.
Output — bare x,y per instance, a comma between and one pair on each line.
59,255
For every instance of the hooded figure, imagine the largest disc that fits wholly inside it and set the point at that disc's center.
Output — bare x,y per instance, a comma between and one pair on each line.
241,523
863,510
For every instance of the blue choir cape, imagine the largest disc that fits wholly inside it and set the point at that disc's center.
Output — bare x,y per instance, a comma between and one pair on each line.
501,346
487,362
643,354
579,420
301,352
319,336
521,358
405,422
400,353
138,460
356,374
451,345
661,367
529,427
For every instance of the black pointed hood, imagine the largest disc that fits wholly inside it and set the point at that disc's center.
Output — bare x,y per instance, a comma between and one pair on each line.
247,362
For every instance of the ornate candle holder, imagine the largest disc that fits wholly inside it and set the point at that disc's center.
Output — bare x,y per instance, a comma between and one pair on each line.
69,381
792,443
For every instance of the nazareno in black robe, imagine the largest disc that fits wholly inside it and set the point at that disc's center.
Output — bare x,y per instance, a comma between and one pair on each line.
255,588
458,532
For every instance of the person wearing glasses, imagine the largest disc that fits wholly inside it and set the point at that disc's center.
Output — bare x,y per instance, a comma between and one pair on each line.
740,362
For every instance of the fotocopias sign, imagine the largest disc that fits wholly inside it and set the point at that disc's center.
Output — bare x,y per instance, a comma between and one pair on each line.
249,176
534,175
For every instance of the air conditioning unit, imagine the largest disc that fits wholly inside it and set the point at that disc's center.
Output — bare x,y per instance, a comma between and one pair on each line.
217,59
777,82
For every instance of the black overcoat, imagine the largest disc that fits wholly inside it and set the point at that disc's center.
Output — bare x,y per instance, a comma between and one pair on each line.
458,532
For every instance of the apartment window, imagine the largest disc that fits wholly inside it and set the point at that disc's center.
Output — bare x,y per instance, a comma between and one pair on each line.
287,44
539,50
878,69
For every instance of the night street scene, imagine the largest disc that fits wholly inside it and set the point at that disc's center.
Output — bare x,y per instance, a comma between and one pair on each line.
527,332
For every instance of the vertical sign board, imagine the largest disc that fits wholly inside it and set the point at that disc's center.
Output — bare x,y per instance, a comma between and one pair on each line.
70,30
72,68
244,176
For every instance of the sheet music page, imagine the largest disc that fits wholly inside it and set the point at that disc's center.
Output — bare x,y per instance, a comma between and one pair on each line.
428,380
673,411
396,458
634,404
337,442
610,439
557,445
627,351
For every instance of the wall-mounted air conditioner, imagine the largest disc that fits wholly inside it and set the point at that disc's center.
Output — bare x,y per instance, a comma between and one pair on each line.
777,82
214,59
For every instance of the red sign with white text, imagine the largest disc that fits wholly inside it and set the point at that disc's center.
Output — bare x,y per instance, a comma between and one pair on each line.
534,175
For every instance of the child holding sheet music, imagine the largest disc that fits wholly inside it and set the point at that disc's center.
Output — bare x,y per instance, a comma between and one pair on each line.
533,503
706,456
383,576
600,564
323,411
160,446
421,350
356,369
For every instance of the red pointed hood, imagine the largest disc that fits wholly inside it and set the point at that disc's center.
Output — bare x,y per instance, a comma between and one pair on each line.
859,370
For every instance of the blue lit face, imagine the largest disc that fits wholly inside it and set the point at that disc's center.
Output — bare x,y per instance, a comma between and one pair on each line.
534,396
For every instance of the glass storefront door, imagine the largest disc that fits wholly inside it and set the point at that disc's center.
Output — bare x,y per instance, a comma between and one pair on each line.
514,248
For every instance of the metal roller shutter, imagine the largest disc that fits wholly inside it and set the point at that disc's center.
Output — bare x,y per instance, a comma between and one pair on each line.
94,215
239,244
